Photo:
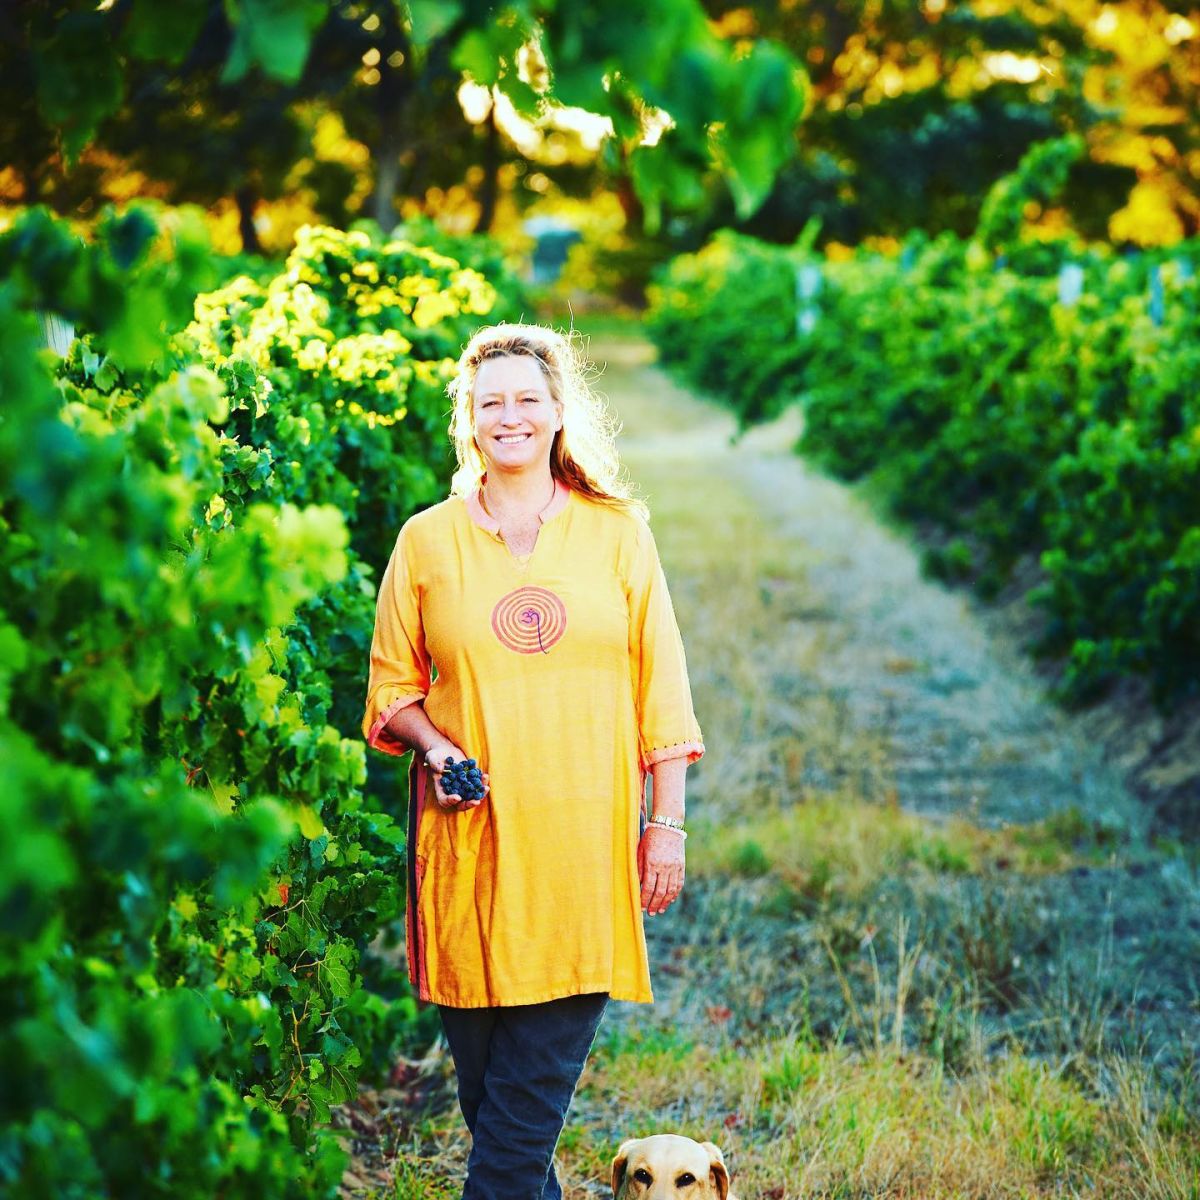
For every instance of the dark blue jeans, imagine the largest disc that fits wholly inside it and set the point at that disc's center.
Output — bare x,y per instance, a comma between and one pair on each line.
517,1068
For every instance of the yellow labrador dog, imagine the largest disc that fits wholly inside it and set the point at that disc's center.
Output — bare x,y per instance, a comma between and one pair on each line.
666,1166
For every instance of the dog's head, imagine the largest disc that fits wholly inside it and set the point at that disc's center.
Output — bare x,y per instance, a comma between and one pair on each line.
665,1166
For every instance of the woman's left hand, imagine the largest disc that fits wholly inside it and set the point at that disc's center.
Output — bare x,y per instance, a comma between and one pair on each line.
660,868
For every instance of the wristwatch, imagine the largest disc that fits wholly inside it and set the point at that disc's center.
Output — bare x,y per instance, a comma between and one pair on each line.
668,823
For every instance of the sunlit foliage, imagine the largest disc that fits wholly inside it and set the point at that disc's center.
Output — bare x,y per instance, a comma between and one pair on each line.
198,498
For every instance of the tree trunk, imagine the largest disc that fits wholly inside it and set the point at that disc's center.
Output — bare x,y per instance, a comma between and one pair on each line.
387,178
635,214
491,171
245,199
391,95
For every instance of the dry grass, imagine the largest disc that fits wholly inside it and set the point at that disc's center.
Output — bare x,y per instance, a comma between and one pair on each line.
795,1119
824,843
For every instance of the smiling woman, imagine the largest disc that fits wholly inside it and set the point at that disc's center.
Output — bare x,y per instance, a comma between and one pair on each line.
584,455
514,411
536,591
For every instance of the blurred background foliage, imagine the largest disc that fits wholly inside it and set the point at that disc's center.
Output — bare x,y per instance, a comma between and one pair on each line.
875,116
201,875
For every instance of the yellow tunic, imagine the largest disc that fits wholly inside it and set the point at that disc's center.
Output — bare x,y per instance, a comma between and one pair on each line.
563,675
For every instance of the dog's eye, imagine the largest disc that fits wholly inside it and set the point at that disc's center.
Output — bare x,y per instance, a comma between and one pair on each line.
685,1179
643,1176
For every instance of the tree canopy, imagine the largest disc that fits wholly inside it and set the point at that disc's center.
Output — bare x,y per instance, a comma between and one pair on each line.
873,117
136,75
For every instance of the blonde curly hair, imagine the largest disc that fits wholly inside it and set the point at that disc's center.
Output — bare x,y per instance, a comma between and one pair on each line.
583,454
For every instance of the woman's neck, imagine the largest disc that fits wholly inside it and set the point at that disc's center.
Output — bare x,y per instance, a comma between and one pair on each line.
517,491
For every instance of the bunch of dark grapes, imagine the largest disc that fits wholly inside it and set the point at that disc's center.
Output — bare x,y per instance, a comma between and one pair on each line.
462,778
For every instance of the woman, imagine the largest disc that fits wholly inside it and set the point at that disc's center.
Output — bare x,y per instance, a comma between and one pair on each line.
535,593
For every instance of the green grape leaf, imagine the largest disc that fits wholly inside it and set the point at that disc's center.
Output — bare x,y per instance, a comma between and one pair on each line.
223,794
336,968
429,19
319,1100
79,80
273,34
475,56
129,236
309,821
107,376
160,32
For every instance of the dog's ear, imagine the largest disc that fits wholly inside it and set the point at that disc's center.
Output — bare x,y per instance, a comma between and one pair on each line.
618,1166
718,1173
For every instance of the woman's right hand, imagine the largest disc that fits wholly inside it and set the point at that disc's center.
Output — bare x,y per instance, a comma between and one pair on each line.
435,760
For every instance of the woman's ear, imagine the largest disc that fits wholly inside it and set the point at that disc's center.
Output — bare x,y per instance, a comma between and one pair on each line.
718,1174
618,1167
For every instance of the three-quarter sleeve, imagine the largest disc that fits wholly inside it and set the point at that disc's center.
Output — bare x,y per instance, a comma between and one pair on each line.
399,671
667,726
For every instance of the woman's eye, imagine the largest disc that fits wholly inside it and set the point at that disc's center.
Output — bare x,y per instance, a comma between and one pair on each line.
531,399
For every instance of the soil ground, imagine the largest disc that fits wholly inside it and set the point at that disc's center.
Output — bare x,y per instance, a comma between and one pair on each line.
904,859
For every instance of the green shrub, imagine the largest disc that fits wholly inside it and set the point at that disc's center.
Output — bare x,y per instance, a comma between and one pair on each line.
191,525
1022,423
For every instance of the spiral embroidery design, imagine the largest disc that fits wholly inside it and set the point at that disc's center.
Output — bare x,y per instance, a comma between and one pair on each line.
529,620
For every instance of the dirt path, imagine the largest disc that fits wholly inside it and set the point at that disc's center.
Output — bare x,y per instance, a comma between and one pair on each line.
966,728
900,853
823,664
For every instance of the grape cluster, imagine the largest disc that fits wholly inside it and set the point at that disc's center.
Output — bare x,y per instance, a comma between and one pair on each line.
462,778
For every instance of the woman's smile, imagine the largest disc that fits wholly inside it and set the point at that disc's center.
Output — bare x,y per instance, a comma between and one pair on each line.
513,407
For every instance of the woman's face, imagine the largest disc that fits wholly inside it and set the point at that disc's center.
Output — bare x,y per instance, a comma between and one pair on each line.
515,416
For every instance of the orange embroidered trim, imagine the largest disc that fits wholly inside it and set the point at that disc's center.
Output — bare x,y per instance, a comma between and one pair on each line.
693,751
385,741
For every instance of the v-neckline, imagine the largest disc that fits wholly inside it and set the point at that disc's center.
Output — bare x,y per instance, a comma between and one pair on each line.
481,518
522,561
